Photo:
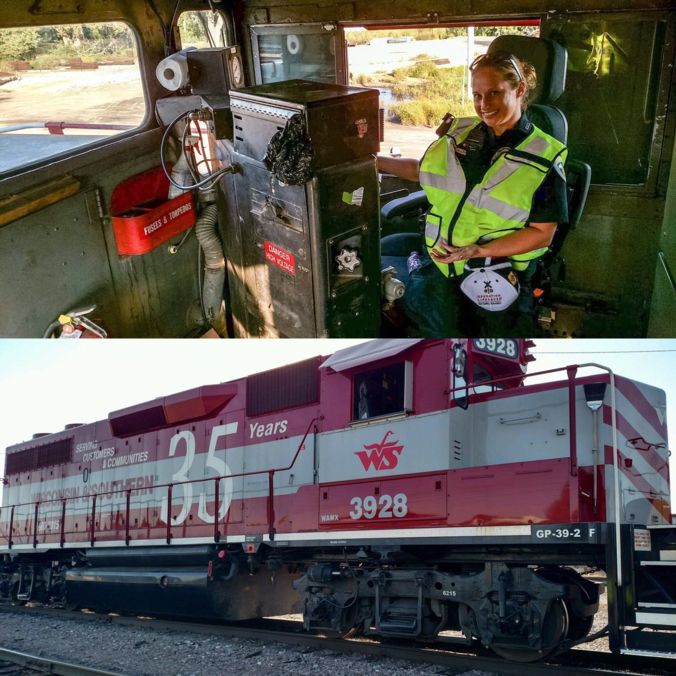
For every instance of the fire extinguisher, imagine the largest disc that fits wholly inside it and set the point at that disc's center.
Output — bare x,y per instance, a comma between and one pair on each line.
75,324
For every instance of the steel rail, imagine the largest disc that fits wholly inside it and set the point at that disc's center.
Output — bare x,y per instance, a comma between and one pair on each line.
50,666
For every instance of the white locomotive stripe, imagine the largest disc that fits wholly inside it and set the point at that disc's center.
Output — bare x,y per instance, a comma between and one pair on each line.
407,533
415,533
644,429
254,457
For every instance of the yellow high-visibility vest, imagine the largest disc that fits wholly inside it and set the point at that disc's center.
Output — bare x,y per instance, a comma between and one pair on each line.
496,206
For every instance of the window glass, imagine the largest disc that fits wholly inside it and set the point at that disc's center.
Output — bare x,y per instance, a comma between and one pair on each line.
379,392
422,74
291,55
610,98
202,29
62,87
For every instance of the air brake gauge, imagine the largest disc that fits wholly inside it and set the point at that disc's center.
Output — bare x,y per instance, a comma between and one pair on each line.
236,68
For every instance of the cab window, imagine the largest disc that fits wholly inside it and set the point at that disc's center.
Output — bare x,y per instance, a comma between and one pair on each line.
203,29
421,73
64,87
379,392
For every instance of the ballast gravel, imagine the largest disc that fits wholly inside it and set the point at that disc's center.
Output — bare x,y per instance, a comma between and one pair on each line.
146,652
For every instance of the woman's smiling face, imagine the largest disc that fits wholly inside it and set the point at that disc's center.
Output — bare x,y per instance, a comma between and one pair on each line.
495,102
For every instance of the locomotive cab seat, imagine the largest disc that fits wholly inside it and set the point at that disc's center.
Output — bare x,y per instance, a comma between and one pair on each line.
405,216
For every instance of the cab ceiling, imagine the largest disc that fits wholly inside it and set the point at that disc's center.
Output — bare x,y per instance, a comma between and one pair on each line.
139,12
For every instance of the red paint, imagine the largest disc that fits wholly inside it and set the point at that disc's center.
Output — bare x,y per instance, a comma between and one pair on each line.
142,216
401,502
281,258
519,493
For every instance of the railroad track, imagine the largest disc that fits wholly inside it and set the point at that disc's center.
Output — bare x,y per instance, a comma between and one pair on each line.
577,662
13,663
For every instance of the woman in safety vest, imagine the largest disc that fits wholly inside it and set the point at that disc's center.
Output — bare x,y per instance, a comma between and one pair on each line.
497,191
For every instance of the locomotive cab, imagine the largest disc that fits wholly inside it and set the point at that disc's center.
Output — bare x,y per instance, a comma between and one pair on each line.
141,192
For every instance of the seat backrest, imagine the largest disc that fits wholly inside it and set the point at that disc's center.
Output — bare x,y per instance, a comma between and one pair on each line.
549,59
550,119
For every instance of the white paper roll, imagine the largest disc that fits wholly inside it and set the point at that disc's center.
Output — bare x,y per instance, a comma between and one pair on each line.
172,72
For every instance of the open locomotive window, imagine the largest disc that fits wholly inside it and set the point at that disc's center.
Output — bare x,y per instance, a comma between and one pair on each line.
383,391
421,73
65,87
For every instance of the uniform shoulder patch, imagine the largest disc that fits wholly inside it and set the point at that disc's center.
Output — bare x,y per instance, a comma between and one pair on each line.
558,168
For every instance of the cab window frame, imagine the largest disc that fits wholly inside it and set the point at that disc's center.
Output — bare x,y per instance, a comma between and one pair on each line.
404,394
50,163
227,31
661,137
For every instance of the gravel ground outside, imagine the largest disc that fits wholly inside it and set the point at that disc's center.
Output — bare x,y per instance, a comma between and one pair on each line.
146,652
138,651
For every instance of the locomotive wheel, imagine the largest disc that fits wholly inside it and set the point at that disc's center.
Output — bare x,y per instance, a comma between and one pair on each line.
580,625
554,631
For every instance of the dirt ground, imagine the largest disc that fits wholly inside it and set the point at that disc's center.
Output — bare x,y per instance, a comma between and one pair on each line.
109,94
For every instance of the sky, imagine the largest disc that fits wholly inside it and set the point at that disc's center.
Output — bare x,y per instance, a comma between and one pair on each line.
45,384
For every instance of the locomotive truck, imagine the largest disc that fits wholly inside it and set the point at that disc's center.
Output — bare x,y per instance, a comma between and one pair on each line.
404,488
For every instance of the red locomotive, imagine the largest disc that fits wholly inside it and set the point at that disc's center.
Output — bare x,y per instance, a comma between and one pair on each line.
397,487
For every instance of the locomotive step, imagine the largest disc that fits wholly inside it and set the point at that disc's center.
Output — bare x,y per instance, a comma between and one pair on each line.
654,643
393,622
656,617
648,653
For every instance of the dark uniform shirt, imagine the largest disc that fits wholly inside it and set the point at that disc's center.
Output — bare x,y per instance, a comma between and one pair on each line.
550,204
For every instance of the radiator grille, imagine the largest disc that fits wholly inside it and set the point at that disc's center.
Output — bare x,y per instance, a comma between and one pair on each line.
53,453
285,387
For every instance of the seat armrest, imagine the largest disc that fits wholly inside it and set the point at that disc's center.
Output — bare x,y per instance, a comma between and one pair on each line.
408,206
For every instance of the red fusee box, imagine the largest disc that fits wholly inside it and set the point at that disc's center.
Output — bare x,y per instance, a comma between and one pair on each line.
143,217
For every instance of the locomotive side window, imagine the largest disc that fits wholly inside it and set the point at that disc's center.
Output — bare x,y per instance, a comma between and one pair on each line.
382,391
421,74
64,87
203,29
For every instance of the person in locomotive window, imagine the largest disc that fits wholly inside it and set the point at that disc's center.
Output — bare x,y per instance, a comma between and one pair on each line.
378,392
497,190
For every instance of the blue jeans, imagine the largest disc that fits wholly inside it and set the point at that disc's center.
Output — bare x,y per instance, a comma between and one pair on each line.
435,307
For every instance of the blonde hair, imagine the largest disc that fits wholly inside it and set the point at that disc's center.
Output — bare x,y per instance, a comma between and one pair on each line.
512,70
